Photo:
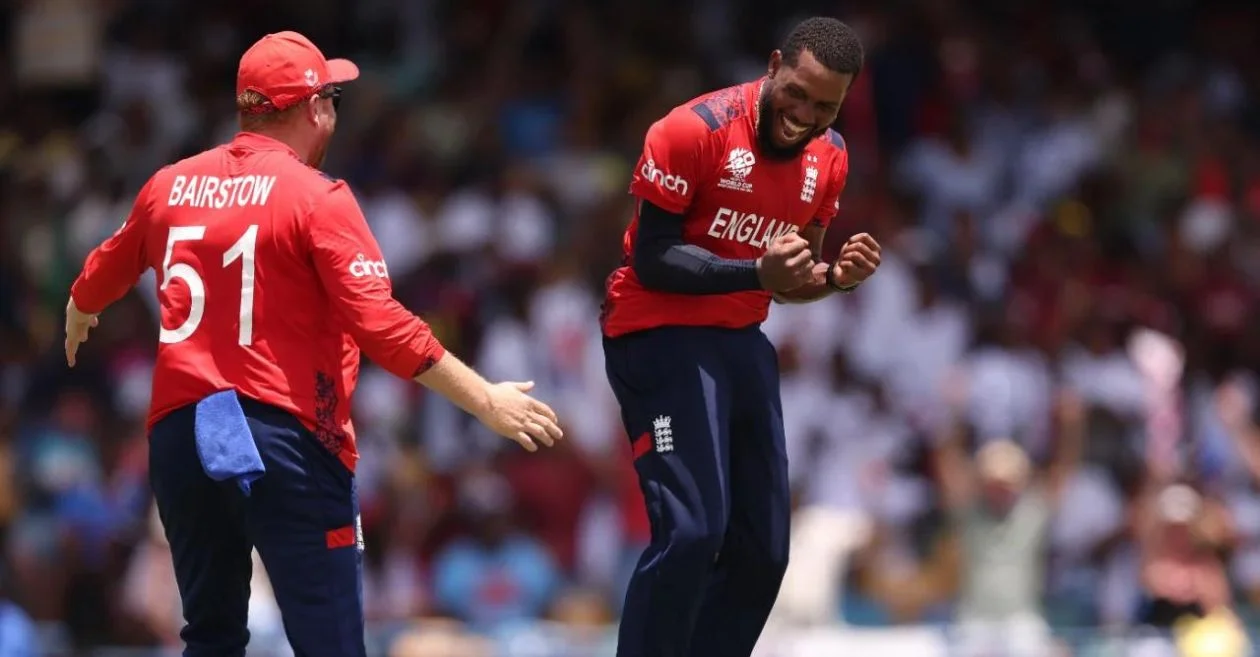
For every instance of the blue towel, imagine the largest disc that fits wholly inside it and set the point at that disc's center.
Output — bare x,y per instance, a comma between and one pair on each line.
224,442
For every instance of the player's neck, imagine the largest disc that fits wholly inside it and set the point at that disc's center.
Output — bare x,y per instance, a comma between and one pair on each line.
758,101
289,137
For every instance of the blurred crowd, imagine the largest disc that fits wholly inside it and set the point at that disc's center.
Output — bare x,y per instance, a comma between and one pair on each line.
1039,415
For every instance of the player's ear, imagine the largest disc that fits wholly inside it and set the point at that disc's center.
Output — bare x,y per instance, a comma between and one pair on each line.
312,109
776,62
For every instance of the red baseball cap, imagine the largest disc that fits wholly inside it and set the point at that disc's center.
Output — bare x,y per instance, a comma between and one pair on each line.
286,67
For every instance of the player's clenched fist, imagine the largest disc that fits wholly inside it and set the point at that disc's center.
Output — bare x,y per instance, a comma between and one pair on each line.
516,416
858,260
787,263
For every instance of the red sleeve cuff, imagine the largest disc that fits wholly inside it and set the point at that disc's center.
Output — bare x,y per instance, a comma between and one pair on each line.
649,193
418,360
84,302
431,358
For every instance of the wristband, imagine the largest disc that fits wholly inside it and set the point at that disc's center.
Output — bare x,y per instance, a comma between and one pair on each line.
831,282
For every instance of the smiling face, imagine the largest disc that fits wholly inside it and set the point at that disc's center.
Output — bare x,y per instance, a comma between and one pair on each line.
799,102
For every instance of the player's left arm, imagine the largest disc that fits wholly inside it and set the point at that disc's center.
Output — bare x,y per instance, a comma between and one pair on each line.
110,270
353,273
859,258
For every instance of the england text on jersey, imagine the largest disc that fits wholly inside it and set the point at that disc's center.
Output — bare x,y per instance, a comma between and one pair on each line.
702,161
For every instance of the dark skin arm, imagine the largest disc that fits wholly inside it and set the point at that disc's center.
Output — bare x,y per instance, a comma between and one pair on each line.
859,258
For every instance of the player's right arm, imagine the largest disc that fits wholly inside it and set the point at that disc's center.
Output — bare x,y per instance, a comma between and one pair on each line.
363,299
109,271
113,268
677,151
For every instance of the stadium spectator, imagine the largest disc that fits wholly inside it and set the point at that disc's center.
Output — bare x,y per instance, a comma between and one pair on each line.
1044,178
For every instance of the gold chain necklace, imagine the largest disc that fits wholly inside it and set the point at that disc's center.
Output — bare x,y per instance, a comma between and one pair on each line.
761,90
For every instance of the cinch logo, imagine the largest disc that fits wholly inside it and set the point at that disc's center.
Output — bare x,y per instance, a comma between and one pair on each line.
748,228
671,182
361,267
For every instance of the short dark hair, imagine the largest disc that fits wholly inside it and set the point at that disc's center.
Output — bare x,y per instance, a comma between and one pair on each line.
834,44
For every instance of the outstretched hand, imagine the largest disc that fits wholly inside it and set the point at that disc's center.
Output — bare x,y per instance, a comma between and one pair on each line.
78,324
519,417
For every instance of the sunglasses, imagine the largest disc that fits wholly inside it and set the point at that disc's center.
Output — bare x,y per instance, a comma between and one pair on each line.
333,92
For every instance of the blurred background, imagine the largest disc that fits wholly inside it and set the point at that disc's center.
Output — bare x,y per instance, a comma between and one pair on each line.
1032,433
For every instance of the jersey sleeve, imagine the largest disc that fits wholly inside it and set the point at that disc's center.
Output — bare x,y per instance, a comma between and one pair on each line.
113,268
835,187
355,277
677,150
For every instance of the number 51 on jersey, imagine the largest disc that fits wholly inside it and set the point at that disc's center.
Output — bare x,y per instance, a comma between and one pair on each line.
242,250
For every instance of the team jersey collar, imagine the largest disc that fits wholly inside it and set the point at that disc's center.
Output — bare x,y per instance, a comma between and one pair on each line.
753,98
259,142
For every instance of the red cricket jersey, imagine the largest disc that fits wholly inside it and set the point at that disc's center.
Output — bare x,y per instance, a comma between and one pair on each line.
702,161
269,281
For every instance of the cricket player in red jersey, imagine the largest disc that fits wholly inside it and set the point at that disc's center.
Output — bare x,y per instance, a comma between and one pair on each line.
735,192
270,283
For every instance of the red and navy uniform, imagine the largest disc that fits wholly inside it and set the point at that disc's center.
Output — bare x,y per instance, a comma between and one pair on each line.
697,380
701,161
270,283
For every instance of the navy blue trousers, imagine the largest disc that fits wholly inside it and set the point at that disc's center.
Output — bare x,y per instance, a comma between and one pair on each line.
302,516
703,412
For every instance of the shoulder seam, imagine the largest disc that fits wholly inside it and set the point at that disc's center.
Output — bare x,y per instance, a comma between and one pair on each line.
836,139
321,199
719,108
706,114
